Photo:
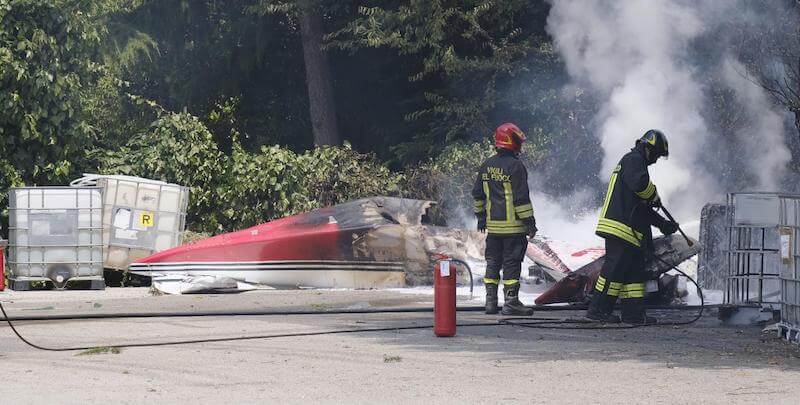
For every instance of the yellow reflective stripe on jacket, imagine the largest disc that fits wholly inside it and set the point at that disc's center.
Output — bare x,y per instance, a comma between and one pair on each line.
488,200
619,225
480,206
611,183
510,282
505,229
648,191
509,194
487,280
616,232
524,211
620,230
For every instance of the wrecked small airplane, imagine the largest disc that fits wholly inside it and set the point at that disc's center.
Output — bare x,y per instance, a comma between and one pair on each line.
378,242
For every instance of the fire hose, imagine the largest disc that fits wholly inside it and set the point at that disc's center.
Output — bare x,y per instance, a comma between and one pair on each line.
529,322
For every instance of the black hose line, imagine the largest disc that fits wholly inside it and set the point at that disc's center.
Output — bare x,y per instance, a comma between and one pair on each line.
528,322
365,311
225,339
469,270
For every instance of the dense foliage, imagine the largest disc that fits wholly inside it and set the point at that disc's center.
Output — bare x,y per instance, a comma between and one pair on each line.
240,189
45,64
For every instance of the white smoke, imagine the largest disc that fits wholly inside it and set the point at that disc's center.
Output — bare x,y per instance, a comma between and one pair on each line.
763,139
565,219
637,55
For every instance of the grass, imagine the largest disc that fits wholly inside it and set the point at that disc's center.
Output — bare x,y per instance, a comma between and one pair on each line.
100,350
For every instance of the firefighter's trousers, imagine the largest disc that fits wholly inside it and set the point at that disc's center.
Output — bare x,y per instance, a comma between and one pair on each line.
504,252
623,274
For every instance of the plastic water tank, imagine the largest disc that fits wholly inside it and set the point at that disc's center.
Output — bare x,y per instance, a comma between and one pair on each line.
55,234
140,216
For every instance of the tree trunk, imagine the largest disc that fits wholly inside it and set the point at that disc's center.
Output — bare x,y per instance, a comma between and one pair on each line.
318,78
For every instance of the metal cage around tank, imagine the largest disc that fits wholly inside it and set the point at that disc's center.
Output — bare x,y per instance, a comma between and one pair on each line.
763,266
55,234
140,216
789,235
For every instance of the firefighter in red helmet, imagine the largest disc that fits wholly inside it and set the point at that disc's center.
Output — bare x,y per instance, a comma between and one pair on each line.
503,208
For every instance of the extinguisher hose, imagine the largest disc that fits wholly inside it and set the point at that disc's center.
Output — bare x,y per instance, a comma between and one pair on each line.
469,271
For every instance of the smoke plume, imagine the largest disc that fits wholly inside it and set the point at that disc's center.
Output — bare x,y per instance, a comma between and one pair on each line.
655,64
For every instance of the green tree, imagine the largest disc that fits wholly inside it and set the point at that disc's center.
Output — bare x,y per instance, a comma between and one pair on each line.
47,51
207,52
469,51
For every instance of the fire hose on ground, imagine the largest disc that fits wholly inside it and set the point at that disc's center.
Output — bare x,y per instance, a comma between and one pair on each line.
526,322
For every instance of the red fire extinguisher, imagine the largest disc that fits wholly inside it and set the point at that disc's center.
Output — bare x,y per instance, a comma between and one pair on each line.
444,299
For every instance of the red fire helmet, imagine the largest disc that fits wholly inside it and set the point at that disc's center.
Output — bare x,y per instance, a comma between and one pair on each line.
509,137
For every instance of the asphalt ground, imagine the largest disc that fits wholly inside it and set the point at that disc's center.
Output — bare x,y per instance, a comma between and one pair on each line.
705,362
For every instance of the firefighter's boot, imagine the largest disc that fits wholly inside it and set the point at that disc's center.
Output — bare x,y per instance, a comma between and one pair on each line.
601,308
633,312
513,306
491,299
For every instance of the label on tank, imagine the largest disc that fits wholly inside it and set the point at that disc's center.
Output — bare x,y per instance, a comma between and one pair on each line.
444,268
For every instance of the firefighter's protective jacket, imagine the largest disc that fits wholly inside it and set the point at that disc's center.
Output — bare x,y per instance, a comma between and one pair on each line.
501,195
627,214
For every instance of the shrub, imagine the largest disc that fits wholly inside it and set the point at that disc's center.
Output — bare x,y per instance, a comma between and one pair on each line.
337,174
242,189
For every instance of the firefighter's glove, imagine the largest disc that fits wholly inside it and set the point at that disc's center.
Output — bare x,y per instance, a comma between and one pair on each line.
481,224
532,230
668,227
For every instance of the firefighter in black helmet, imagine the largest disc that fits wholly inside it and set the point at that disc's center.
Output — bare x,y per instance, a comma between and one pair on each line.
625,220
503,208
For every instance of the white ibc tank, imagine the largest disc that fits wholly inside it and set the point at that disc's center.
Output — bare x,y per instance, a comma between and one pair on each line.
55,233
140,217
